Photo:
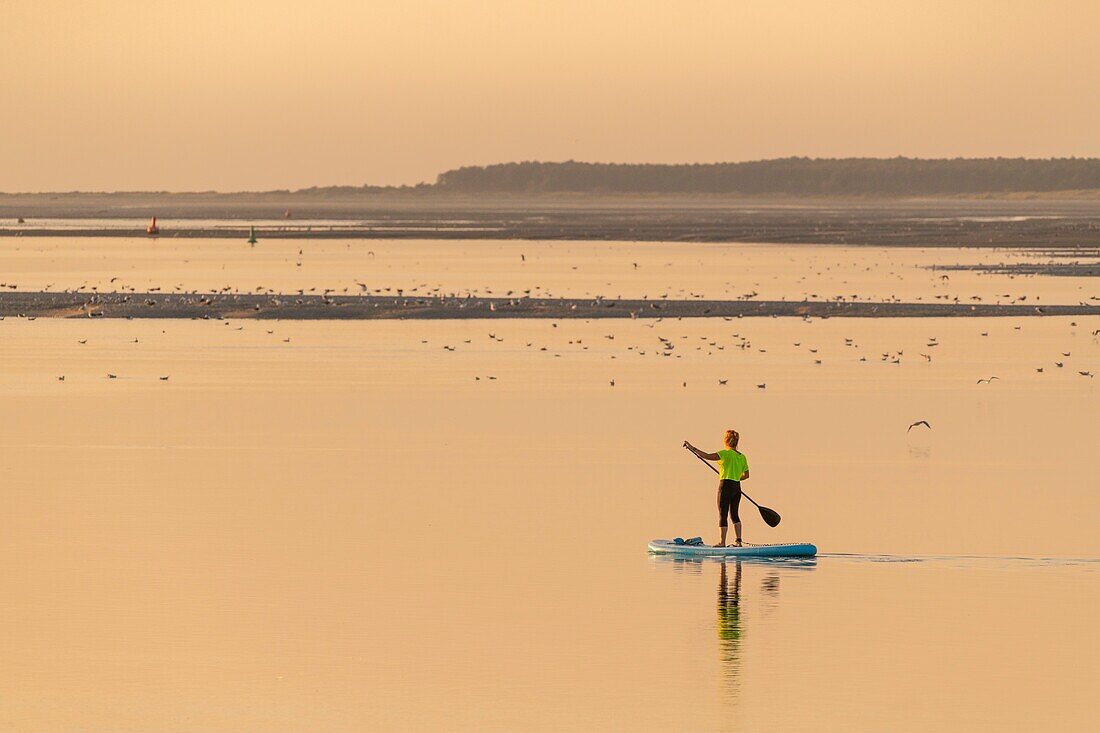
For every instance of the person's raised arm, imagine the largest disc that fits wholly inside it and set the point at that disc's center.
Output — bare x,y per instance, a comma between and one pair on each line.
701,454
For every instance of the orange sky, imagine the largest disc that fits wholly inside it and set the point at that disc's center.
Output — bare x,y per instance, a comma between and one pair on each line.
260,94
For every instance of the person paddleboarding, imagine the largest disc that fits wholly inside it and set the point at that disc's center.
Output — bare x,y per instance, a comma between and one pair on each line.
733,469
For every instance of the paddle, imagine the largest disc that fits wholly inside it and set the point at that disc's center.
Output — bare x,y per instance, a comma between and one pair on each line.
770,516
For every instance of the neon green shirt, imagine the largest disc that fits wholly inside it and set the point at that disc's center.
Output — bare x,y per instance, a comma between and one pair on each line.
734,464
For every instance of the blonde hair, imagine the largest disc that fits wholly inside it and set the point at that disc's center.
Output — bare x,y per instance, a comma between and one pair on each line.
732,436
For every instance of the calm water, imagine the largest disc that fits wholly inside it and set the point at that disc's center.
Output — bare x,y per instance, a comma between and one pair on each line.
567,269
357,529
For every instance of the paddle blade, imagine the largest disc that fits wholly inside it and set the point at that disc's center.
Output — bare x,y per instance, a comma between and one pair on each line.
770,516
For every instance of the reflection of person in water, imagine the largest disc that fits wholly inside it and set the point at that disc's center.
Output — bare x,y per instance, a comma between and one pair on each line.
729,616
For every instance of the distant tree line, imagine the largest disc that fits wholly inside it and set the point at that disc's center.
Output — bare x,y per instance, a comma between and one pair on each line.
804,176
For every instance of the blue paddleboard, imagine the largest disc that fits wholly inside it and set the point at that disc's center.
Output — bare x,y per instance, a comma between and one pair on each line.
787,550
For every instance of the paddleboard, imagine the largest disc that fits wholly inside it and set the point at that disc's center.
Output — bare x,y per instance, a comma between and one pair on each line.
787,550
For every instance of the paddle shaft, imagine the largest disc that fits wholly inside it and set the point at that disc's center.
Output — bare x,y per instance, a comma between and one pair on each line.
711,467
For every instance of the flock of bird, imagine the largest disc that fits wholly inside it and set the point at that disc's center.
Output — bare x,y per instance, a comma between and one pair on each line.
663,348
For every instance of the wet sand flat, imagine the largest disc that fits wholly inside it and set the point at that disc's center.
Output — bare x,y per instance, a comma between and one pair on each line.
350,525
313,307
1062,221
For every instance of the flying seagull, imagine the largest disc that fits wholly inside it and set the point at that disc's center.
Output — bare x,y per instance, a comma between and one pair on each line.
919,422
987,381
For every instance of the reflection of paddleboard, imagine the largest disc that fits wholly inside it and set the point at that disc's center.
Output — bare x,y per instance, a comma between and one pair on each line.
792,550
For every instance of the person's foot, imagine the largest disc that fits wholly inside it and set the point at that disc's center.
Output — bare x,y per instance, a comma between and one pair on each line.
737,543
720,544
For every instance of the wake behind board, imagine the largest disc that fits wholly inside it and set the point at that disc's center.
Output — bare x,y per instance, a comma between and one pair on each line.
789,550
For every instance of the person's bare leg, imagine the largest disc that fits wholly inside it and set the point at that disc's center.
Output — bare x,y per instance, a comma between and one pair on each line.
736,531
722,542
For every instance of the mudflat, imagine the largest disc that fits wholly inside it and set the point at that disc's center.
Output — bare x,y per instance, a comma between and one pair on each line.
342,307
1045,221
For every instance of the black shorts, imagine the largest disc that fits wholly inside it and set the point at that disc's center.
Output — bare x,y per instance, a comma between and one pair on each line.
729,497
